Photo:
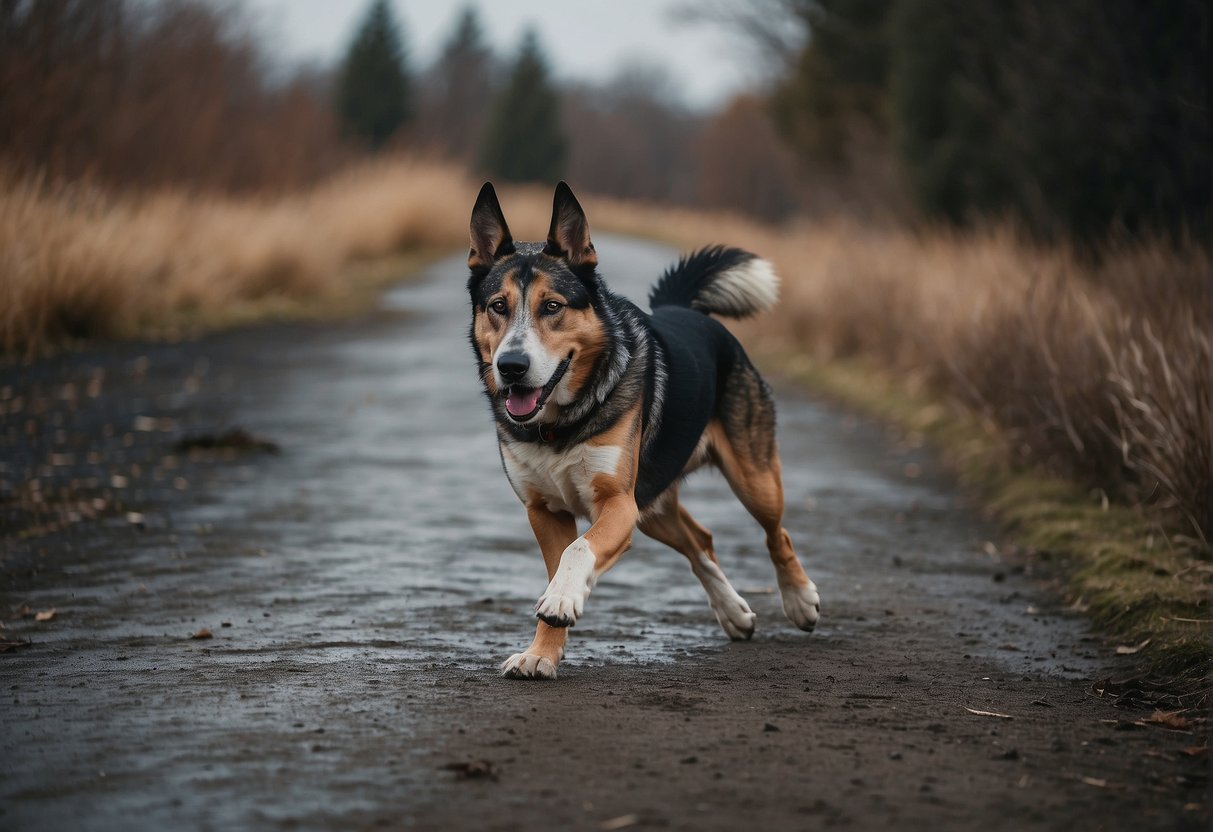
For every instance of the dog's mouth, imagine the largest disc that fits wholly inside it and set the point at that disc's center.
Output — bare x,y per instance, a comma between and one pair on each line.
522,403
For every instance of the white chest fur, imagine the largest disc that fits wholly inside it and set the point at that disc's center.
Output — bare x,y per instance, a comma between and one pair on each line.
564,480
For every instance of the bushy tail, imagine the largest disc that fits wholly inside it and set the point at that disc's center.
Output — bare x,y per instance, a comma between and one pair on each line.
720,280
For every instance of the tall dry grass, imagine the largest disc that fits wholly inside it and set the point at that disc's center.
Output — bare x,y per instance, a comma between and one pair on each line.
1095,369
77,262
1099,371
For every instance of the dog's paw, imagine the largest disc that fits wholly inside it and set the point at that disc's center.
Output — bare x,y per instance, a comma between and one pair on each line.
558,609
802,605
528,666
563,600
736,618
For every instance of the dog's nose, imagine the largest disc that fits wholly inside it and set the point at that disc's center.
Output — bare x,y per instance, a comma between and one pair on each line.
513,365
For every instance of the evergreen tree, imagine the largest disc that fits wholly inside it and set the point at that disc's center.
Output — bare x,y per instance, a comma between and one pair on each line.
524,141
373,94
839,82
1076,117
454,112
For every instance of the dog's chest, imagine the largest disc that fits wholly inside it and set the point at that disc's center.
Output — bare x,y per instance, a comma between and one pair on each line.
564,480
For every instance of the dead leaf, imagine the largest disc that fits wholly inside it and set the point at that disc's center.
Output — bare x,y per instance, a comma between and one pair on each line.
203,633
235,439
473,770
621,822
1128,650
989,713
9,645
1098,782
47,615
1195,751
1168,719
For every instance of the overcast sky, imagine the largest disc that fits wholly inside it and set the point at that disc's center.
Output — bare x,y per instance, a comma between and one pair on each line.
584,39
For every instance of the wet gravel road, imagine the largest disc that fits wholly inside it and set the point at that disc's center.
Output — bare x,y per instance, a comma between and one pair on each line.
360,587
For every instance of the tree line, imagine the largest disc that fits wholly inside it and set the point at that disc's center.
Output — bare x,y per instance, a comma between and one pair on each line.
1072,119
132,94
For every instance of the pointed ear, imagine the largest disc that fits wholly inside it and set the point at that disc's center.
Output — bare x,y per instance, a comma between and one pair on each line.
569,234
490,235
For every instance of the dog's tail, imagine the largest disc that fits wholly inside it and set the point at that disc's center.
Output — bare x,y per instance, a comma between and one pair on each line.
720,280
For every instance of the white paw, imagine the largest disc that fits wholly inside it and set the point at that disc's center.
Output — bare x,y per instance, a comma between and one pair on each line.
559,610
735,617
802,605
562,603
528,666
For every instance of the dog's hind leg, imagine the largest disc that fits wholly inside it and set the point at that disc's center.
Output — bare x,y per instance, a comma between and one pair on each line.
675,527
554,531
749,461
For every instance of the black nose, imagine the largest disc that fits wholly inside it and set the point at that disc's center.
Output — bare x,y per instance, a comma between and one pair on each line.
513,365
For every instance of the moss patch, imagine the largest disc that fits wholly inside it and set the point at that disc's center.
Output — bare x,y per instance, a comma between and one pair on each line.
1145,586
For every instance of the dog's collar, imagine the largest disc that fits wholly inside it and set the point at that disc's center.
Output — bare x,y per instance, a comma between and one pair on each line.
547,434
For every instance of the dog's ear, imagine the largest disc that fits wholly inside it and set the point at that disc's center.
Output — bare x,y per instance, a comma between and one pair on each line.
569,234
490,235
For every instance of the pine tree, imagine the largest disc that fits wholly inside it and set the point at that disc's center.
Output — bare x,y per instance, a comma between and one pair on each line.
454,110
373,90
524,141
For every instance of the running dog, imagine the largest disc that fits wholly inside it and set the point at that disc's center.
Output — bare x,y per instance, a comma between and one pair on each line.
602,410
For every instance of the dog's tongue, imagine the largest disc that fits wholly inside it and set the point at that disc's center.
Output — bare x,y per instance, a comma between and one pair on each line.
522,401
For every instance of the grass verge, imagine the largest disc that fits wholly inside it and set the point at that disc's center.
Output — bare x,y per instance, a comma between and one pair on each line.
1145,587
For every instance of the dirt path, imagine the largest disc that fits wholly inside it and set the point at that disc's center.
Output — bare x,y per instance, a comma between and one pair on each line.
361,586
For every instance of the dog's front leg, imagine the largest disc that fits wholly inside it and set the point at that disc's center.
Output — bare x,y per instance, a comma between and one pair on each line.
554,530
587,557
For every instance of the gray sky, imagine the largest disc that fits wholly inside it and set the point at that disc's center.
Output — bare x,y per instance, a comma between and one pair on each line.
584,39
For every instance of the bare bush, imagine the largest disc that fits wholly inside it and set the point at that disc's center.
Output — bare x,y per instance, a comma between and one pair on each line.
142,95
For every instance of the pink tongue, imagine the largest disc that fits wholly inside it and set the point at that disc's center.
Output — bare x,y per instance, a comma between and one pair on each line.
522,403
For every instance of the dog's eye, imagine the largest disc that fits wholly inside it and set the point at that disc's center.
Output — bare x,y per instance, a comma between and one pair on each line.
552,307
499,306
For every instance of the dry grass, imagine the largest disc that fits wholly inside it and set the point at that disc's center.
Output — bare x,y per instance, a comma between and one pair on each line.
1095,370
78,263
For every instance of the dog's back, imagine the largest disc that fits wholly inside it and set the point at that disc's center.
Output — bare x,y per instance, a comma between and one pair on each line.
703,364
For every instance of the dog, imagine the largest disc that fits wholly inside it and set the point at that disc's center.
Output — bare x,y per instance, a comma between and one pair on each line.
602,410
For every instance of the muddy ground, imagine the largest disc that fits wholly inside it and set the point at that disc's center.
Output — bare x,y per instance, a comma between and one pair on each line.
360,585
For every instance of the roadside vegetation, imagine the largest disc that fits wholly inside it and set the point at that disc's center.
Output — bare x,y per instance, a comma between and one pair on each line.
81,262
1071,391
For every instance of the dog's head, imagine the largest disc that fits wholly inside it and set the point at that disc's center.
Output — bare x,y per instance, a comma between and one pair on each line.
536,327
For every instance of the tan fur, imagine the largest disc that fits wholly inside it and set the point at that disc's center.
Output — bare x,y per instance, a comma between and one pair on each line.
614,513
760,489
